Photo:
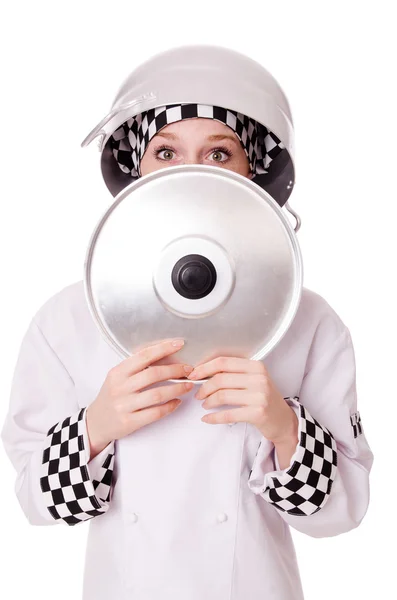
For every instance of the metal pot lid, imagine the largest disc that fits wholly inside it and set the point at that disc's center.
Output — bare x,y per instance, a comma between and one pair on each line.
197,252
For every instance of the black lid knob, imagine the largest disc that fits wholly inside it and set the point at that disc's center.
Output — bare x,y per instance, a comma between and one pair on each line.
194,276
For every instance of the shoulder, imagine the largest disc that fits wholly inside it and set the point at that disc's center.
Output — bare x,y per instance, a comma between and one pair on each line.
65,311
316,309
69,298
319,323
316,325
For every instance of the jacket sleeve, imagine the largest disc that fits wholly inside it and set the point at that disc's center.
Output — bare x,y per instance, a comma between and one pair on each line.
325,489
45,437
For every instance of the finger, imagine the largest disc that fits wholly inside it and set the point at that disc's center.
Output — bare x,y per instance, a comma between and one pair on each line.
234,415
155,375
145,357
226,380
143,417
157,395
227,364
233,397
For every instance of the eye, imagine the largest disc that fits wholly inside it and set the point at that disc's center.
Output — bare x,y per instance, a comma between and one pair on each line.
168,153
217,154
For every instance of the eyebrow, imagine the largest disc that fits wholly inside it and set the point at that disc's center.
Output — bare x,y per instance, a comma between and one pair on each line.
211,138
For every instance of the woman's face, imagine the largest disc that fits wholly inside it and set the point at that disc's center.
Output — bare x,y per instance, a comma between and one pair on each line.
195,141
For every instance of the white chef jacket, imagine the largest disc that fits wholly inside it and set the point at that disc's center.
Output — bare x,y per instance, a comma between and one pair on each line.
182,509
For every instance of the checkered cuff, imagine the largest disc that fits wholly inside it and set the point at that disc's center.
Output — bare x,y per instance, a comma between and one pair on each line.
69,492
303,487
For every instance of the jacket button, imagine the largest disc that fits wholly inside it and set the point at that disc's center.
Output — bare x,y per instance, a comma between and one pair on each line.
222,517
134,517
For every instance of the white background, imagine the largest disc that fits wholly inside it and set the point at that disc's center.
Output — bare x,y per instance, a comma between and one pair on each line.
61,67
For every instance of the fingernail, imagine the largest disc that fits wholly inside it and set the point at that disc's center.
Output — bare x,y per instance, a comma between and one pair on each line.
187,369
193,375
178,343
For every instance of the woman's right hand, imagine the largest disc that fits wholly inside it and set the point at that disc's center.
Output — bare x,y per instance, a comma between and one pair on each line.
121,406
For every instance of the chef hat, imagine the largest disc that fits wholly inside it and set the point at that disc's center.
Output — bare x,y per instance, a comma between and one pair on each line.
129,142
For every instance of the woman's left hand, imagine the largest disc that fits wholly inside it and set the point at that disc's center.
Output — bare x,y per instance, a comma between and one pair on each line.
246,383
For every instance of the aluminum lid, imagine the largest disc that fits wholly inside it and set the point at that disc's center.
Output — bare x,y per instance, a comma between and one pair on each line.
197,252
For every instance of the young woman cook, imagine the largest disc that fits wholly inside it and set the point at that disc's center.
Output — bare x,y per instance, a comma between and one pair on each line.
187,508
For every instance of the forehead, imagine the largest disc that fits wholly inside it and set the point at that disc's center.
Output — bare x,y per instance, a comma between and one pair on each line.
199,124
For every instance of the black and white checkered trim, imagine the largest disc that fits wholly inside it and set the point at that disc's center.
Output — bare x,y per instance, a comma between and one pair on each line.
129,141
355,421
69,492
304,488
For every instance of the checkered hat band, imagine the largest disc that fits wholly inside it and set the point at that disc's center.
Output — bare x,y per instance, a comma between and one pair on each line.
130,140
